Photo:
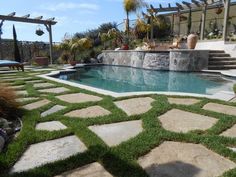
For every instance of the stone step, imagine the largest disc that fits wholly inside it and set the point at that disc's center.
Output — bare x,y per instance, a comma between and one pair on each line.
216,51
223,62
221,67
219,55
222,58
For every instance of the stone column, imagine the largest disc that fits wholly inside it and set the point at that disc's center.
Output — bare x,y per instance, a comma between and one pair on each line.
226,18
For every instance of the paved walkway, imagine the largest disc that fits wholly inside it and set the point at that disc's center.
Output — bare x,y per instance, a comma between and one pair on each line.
119,122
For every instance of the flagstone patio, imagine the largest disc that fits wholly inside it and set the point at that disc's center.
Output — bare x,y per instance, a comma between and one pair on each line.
37,104
55,90
51,126
79,98
182,121
147,132
114,134
177,159
135,106
90,112
91,170
49,151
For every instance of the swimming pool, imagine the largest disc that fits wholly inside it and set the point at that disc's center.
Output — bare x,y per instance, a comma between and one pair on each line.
126,79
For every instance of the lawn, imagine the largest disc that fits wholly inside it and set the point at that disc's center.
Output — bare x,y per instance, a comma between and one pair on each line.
121,160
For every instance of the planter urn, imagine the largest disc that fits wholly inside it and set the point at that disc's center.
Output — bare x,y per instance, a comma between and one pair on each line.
42,61
192,41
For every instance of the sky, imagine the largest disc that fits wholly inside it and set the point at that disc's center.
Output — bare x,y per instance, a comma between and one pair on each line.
72,15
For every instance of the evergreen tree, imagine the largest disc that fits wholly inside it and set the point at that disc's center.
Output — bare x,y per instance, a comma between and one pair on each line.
17,56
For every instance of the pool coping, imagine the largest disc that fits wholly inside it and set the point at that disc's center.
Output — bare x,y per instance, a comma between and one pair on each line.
222,95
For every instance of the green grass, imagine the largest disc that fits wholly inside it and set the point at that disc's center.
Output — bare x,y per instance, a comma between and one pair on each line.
121,160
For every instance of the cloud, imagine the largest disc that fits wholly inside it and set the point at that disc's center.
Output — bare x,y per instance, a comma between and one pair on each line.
70,5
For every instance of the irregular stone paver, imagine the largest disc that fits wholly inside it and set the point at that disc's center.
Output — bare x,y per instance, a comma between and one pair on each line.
79,98
90,170
24,92
225,109
230,132
49,151
43,85
54,109
174,159
34,81
50,126
20,78
233,100
135,106
183,101
90,112
54,90
114,134
181,121
17,87
26,99
33,74
37,104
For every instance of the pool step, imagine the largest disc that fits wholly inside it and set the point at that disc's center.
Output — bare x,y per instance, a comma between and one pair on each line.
219,60
219,55
221,67
223,62
216,51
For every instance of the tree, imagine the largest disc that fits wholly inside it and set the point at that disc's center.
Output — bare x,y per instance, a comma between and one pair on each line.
131,6
17,56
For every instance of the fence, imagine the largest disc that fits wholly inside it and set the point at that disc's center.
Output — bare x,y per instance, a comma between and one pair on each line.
214,23
28,50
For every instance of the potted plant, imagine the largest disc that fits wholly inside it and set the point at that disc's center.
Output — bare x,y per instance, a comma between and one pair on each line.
42,59
125,44
192,41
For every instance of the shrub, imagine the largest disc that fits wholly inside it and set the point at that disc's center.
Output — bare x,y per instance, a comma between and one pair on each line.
9,108
234,88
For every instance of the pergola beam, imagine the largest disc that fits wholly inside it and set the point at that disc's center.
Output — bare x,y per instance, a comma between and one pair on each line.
26,16
12,14
26,20
38,20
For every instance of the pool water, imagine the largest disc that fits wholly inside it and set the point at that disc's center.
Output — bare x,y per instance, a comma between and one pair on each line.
127,79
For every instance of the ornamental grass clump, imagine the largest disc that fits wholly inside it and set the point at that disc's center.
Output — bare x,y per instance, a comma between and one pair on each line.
9,108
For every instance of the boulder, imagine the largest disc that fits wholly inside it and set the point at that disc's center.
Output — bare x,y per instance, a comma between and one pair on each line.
100,58
93,60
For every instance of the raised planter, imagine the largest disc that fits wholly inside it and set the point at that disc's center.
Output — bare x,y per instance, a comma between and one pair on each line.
173,60
41,61
3,138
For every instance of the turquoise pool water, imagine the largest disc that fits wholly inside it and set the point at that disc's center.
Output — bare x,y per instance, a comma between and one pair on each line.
126,79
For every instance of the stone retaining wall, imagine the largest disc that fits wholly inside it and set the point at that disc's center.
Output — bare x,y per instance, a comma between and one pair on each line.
174,60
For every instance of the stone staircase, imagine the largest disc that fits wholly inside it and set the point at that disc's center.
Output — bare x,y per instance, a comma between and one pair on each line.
219,60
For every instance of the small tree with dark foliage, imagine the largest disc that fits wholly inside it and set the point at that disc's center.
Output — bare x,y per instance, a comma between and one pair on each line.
16,47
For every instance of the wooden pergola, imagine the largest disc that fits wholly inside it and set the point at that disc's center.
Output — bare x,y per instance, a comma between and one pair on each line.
202,5
26,19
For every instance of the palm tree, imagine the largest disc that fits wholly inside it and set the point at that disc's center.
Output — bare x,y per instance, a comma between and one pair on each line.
132,6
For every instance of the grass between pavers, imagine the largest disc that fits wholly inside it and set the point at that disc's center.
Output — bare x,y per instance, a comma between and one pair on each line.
121,160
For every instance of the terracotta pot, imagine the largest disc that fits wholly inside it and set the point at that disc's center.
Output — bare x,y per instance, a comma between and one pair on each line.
41,61
72,62
125,47
192,41
219,11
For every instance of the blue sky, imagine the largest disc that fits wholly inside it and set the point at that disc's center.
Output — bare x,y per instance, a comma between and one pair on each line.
72,15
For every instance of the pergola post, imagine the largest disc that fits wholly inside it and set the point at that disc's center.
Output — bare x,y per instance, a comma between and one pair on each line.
1,24
49,29
179,14
203,22
226,18
173,24
152,28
